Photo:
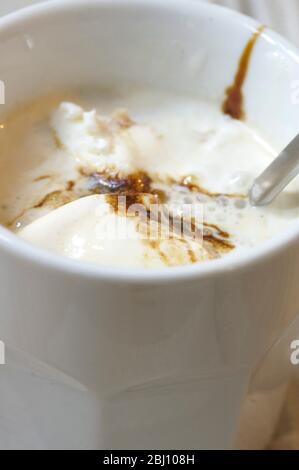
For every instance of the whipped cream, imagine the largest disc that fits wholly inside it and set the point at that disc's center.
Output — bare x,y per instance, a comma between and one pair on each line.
95,141
177,149
219,152
89,229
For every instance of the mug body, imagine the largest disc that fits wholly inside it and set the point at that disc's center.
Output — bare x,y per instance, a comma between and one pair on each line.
119,359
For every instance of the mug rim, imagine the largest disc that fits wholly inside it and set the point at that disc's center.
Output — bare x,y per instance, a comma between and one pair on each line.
237,260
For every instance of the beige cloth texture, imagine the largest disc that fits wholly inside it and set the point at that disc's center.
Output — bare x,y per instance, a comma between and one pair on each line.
280,15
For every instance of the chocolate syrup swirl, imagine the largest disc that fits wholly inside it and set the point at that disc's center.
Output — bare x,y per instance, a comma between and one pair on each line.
233,104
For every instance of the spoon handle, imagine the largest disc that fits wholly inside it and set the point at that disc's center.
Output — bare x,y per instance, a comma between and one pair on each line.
276,176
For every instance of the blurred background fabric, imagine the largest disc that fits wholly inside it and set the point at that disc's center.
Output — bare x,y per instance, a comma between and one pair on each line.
281,15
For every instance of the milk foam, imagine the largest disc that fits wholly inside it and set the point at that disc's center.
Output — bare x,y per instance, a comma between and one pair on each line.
188,149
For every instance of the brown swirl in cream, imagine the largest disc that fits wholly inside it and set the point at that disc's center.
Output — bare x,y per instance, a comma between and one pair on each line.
139,189
233,104
136,185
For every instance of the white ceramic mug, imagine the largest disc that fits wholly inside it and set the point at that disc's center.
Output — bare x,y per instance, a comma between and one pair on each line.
116,358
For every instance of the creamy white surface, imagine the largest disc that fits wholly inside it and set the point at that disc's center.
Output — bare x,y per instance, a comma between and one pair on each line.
89,138
173,137
80,230
89,229
176,141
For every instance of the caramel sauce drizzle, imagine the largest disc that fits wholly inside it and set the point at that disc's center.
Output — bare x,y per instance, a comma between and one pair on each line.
56,199
132,187
233,104
135,188
218,243
196,188
41,178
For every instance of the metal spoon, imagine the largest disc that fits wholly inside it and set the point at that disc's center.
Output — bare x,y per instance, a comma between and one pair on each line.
277,175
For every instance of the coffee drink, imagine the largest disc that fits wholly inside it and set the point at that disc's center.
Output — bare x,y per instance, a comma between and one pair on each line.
136,178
